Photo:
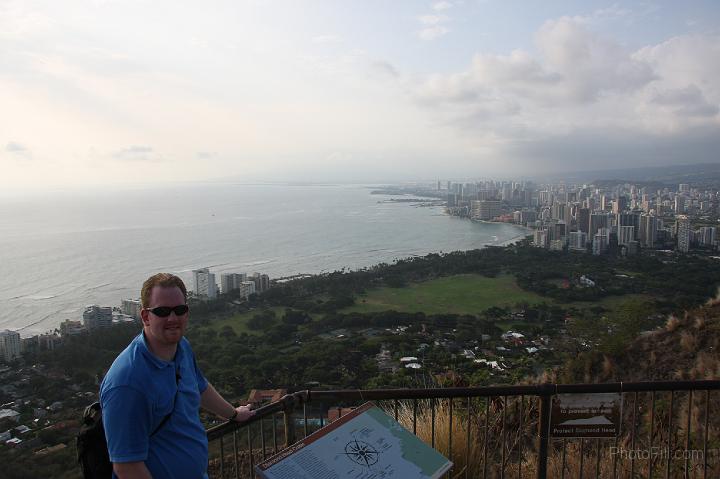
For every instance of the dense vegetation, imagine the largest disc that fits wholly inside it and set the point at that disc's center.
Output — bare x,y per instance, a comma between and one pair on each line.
318,332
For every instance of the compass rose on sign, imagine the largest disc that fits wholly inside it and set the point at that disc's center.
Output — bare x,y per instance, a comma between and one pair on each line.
360,452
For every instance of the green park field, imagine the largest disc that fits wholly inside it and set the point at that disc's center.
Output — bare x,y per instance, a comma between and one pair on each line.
460,294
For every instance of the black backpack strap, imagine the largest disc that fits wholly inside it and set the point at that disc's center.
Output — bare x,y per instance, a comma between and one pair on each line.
177,390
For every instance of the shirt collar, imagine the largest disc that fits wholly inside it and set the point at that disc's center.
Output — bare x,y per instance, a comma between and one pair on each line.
141,342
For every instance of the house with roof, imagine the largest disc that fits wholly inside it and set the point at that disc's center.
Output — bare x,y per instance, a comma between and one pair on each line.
261,397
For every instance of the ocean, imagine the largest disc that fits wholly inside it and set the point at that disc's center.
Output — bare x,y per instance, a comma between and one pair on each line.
62,251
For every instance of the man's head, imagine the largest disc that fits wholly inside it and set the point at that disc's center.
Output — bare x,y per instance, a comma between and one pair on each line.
161,294
166,280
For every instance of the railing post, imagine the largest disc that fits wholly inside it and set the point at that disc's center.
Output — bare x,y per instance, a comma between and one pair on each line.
288,408
544,426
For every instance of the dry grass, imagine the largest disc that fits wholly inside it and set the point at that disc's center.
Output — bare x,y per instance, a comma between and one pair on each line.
688,342
672,324
580,459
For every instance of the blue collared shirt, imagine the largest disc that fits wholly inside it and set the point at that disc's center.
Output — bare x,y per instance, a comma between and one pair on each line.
137,393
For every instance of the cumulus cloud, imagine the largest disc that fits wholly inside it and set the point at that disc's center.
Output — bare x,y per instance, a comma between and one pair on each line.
136,153
589,64
584,94
688,101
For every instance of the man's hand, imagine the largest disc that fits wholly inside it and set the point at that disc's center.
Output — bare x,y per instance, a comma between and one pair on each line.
131,470
244,413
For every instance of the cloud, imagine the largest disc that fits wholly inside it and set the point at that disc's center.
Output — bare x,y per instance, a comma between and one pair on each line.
433,32
583,98
434,25
136,153
688,101
589,64
432,19
439,6
326,39
16,148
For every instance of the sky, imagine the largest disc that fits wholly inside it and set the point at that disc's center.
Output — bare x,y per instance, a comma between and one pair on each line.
125,92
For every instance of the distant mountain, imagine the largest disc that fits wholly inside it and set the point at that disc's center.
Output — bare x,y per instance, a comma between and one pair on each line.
701,175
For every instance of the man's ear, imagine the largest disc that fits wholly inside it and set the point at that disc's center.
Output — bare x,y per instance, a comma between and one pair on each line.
145,316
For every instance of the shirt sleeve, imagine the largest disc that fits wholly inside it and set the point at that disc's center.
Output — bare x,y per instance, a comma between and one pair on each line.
127,416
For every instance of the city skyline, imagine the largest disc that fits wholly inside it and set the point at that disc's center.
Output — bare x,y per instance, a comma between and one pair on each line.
151,92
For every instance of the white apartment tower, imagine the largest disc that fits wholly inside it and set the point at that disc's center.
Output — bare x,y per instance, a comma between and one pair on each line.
9,345
683,233
97,317
204,283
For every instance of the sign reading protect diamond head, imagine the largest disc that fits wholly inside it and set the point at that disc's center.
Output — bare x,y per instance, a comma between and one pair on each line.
586,415
364,444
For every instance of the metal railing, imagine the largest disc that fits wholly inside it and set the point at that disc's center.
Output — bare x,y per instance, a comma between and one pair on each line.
667,429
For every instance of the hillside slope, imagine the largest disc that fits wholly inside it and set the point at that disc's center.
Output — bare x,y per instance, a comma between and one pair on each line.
686,348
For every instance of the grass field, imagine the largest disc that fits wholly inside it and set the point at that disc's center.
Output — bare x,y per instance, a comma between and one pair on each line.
461,294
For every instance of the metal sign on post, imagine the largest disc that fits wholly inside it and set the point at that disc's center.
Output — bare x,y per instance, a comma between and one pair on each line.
586,415
364,444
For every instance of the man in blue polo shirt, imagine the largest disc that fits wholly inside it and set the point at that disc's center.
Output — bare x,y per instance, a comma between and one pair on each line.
152,394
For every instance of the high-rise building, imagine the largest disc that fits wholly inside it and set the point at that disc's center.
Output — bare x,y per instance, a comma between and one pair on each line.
708,235
626,234
527,216
488,209
597,221
604,202
131,307
97,317
601,240
558,211
204,282
620,204
679,205
683,233
71,328
231,281
648,230
540,238
583,219
558,231
247,288
262,282
9,345
578,241
684,187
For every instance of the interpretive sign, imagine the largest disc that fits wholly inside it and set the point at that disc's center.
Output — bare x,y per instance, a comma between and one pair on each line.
586,415
364,444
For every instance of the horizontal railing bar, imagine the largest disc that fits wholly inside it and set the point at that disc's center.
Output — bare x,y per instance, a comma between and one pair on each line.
261,412
490,391
301,397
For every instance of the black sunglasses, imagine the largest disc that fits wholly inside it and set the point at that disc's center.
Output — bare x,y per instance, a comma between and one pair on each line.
164,311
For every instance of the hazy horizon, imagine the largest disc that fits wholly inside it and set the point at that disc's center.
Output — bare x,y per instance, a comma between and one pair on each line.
117,93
